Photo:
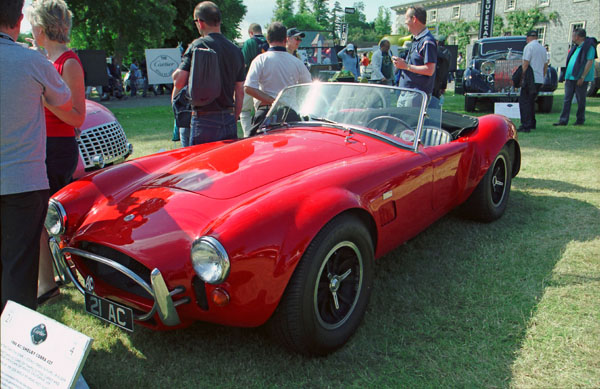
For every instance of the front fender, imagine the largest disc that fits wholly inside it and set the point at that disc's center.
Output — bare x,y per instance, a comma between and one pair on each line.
264,253
474,81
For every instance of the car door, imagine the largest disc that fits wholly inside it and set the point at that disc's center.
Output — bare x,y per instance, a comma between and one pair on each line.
450,164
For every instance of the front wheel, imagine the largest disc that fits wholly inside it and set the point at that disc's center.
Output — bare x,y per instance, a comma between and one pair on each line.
328,293
489,199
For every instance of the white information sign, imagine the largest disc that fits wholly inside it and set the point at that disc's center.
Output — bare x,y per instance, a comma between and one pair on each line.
161,63
39,352
510,110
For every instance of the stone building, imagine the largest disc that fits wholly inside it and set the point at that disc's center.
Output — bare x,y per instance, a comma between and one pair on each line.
556,34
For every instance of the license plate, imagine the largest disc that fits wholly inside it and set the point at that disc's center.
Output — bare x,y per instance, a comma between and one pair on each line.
109,311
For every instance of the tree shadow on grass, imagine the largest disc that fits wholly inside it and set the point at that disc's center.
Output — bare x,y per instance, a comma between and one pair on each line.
449,308
528,183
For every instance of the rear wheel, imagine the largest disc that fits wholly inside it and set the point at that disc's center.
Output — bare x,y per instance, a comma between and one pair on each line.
470,104
489,199
328,293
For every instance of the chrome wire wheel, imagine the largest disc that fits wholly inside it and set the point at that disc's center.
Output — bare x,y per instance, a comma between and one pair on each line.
339,285
498,181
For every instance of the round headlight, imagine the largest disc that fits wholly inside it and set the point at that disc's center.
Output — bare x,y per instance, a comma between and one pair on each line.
56,218
210,260
487,68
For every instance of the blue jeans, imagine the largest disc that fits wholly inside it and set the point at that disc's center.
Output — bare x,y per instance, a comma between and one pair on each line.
213,127
571,89
184,136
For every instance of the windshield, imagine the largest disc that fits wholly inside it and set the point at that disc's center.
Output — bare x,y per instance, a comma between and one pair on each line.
502,46
396,114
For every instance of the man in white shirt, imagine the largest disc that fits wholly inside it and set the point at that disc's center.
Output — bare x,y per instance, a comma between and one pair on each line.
271,72
382,65
536,57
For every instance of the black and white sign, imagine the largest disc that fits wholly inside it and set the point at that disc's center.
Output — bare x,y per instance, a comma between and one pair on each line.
38,352
161,63
486,24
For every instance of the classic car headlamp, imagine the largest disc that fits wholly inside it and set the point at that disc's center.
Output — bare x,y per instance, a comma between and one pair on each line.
56,218
487,68
210,260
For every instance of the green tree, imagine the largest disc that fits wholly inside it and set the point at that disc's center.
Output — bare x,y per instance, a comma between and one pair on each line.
302,7
125,29
521,21
382,23
120,27
319,8
232,12
284,12
336,15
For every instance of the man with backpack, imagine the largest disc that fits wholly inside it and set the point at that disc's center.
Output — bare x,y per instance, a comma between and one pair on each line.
216,118
257,44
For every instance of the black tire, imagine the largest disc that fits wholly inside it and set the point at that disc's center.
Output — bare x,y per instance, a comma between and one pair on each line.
336,267
545,104
470,104
489,199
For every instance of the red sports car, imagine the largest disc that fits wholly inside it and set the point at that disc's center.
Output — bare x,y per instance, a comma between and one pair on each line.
282,227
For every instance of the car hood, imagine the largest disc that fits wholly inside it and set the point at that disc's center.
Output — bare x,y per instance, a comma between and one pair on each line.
235,168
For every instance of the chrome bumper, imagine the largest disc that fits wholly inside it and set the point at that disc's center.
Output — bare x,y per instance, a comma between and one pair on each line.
163,299
513,94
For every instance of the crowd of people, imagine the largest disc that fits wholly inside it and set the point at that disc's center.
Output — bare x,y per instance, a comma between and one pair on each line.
38,123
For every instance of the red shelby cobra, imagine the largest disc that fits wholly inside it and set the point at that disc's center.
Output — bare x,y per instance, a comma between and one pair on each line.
283,227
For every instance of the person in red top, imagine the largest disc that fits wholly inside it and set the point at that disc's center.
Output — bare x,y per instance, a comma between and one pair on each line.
51,25
364,62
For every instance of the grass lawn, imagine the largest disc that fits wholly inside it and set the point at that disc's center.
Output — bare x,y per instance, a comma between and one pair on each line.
514,303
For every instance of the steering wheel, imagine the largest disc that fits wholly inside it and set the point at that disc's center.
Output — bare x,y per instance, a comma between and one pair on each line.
385,117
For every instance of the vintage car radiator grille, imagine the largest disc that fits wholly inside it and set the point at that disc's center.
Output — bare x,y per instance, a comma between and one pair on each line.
113,277
503,71
108,139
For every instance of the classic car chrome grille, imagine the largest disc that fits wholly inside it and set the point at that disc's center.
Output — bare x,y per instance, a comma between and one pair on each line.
108,140
503,72
113,277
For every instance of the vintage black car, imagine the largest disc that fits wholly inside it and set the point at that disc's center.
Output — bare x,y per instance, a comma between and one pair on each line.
489,74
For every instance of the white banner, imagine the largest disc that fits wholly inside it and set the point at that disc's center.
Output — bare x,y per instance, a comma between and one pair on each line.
161,63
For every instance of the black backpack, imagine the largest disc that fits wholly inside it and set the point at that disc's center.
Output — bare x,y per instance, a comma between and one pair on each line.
204,83
262,44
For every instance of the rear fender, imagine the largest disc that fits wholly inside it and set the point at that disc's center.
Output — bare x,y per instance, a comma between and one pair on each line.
493,133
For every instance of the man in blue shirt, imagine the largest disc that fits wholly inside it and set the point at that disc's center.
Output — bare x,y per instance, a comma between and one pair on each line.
579,72
419,67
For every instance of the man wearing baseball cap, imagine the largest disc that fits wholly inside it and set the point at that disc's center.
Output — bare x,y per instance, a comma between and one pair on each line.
534,56
294,37
349,59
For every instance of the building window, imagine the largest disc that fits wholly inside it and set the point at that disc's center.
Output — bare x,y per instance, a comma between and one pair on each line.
456,12
478,9
574,26
510,5
432,15
543,3
541,30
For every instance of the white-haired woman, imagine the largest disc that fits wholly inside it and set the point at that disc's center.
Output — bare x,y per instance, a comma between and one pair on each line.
51,26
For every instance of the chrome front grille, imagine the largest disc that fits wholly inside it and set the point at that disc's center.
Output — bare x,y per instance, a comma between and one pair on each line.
113,277
503,71
108,140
